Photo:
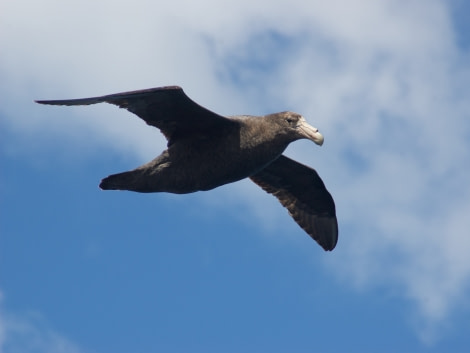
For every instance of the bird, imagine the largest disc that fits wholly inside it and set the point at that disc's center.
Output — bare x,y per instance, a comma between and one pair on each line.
206,150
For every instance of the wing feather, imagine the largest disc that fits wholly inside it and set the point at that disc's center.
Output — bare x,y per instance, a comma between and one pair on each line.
300,189
167,108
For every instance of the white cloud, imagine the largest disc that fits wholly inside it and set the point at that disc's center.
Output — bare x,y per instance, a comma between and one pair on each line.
384,81
30,333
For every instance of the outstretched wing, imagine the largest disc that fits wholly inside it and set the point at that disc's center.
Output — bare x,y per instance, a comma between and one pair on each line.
303,193
167,108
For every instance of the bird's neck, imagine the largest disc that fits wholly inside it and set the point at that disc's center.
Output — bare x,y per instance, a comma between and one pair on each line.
255,136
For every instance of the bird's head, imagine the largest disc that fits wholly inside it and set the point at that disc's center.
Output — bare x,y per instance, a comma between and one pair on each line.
298,128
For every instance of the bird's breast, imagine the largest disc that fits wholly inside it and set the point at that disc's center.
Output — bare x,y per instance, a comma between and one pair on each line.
204,165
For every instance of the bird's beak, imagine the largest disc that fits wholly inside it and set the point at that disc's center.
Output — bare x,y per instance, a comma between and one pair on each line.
310,132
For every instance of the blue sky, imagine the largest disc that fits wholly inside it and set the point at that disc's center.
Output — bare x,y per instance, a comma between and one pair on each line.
83,270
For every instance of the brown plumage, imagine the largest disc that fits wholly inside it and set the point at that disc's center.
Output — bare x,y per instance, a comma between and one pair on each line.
206,150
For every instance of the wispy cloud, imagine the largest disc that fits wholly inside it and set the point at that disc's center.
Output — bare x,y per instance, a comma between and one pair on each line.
30,333
385,81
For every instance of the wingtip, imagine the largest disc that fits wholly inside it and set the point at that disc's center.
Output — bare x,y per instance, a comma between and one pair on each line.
46,102
331,244
328,247
326,234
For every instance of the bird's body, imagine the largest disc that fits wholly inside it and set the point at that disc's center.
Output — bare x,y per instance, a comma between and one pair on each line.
206,150
193,164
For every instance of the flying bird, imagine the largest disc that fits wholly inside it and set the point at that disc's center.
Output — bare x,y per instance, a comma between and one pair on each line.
206,150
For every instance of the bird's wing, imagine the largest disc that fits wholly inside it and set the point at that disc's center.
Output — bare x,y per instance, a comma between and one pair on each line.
167,108
303,193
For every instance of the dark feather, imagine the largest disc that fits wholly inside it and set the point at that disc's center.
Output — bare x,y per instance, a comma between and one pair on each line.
167,108
303,193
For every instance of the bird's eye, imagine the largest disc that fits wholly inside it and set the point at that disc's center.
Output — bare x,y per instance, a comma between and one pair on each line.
290,120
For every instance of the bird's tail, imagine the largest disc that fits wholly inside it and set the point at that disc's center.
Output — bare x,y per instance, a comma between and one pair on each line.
121,181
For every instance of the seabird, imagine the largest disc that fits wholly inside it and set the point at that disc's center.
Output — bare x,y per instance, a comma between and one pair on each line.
206,150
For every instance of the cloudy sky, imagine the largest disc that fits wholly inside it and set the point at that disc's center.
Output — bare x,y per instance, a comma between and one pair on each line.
83,270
